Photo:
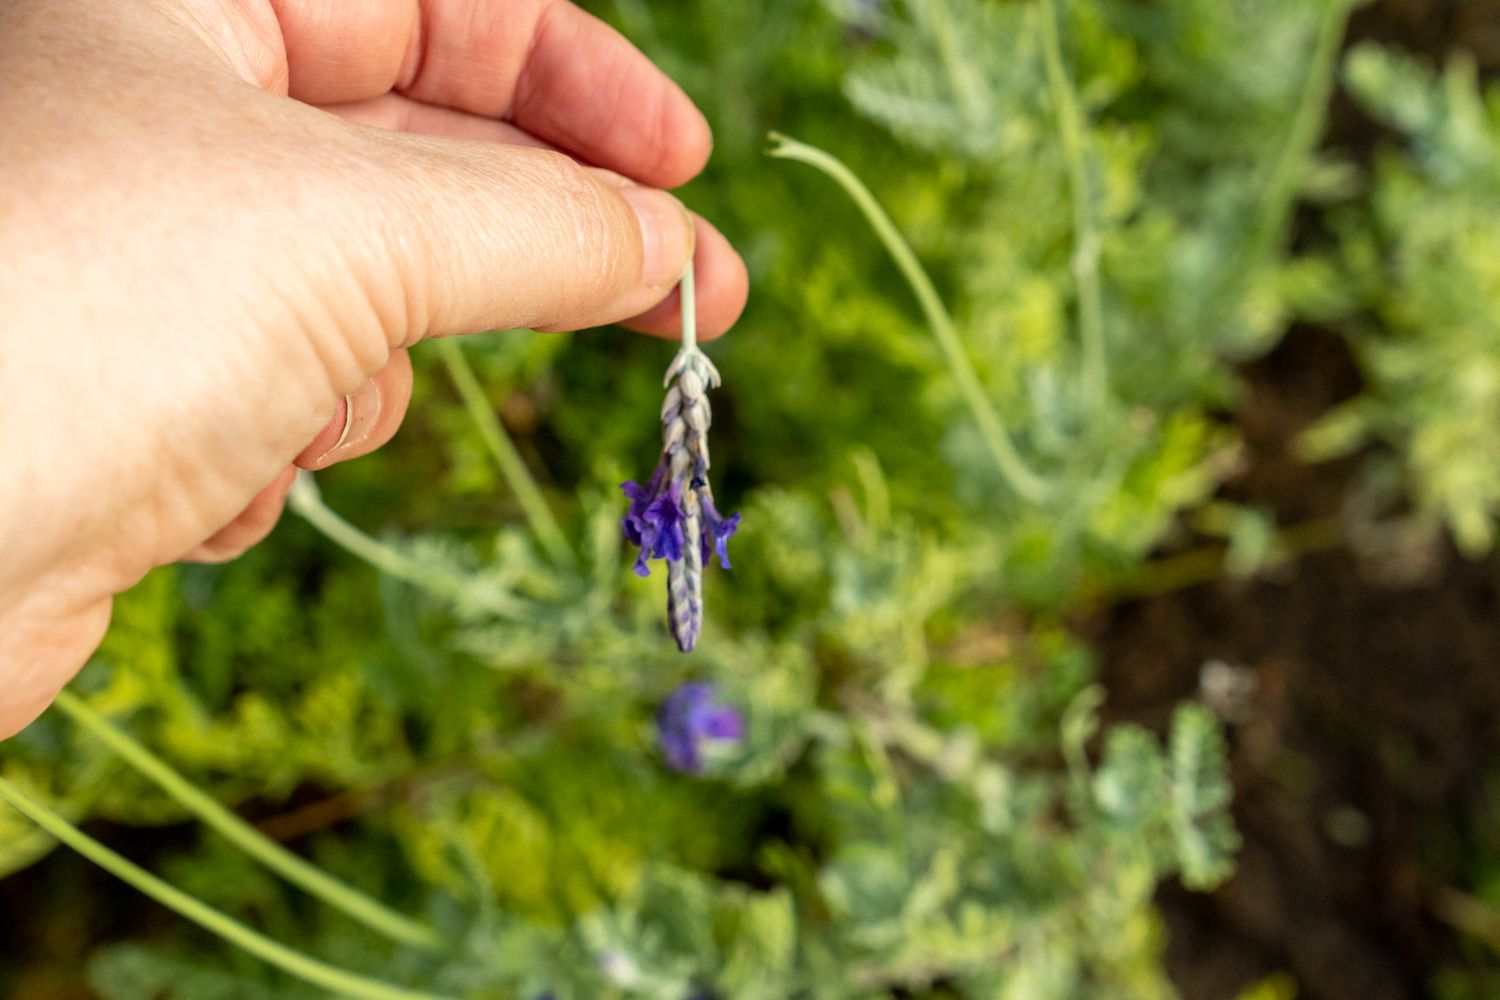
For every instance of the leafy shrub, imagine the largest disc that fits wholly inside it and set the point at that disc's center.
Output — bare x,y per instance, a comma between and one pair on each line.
1423,281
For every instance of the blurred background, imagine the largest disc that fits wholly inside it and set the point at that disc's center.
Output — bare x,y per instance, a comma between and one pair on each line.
1166,664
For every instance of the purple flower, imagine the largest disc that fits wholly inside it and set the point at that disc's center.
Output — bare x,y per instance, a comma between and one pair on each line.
658,514
673,517
654,521
716,530
688,719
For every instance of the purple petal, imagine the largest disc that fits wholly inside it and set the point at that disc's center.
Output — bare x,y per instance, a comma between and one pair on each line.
681,752
688,718
655,519
665,515
723,724
717,530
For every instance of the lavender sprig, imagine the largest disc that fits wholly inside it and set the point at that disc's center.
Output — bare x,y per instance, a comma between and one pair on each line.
673,516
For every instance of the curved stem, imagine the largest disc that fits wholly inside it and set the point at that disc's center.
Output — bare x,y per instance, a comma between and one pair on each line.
372,913
305,500
512,467
1086,237
290,961
1017,473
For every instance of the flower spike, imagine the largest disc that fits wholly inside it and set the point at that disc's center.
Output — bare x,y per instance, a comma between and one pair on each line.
673,516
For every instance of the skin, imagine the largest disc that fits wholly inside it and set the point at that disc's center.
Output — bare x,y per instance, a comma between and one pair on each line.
220,218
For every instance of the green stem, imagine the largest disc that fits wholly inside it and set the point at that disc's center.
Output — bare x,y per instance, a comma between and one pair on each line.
295,963
1086,237
372,913
1200,566
503,450
689,353
1307,125
305,500
689,302
1017,473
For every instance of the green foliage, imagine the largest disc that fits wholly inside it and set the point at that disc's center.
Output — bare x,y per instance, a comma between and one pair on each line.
1423,268
1166,243
1201,828
133,972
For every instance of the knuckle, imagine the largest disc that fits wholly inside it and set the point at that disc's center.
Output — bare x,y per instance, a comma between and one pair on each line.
595,229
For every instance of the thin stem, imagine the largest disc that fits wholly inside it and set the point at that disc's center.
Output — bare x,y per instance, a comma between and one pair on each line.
290,961
1205,565
1017,473
1307,125
1086,237
689,301
372,913
512,467
690,352
305,500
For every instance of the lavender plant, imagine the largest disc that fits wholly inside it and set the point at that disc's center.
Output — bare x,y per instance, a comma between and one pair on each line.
673,516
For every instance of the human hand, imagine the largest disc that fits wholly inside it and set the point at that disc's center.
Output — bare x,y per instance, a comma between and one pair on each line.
205,247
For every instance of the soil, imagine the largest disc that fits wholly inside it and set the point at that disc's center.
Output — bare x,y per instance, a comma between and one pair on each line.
1363,761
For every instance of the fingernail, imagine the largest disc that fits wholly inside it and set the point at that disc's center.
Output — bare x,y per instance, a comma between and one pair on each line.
361,411
666,234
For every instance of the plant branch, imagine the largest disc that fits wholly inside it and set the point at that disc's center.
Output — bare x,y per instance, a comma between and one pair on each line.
370,912
1302,136
512,467
1086,236
290,961
1026,483
1205,565
306,501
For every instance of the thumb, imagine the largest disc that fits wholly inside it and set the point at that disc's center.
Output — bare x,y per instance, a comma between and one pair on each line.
485,236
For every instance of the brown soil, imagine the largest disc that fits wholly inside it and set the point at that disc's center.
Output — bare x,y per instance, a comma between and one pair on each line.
1364,762
1365,765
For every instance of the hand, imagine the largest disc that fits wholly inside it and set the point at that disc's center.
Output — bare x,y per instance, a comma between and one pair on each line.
219,218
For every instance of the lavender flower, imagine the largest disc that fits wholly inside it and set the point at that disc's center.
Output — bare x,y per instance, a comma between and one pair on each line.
688,719
673,516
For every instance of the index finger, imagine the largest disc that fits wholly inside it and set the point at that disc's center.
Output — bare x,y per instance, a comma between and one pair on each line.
544,65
